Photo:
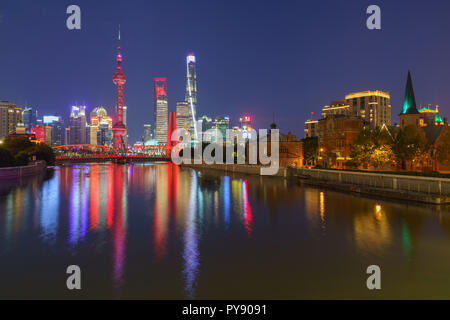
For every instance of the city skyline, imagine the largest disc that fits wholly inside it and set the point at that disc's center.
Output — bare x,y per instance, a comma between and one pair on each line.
305,86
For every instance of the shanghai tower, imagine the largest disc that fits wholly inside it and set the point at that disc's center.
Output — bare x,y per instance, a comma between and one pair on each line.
191,92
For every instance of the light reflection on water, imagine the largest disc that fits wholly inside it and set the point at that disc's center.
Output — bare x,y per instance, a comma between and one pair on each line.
160,231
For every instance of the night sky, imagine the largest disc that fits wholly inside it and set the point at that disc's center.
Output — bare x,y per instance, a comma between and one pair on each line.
254,57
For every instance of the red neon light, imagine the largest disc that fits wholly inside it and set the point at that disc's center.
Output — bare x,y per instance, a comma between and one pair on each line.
160,85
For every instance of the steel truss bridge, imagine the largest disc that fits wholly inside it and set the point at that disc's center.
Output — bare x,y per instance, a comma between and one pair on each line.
90,152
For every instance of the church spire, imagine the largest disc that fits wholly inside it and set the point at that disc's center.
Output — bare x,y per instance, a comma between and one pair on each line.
409,104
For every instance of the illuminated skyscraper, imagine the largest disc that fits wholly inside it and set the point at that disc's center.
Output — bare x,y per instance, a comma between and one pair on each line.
104,133
125,108
77,125
222,124
10,116
161,110
374,107
191,91
147,133
29,118
119,128
39,132
183,115
55,123
98,115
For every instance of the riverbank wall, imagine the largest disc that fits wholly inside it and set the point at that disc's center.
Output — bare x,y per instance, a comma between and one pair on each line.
402,187
10,173
237,168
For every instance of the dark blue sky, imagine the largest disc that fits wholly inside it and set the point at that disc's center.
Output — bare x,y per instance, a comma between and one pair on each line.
255,57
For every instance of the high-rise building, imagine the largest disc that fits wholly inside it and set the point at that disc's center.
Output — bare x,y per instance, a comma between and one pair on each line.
67,135
161,110
29,118
147,133
98,115
125,108
222,124
77,125
374,107
119,129
206,123
55,124
191,91
10,116
245,122
183,115
48,135
39,132
337,107
104,133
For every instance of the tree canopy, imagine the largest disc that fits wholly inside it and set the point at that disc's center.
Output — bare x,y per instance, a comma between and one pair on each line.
22,150
373,147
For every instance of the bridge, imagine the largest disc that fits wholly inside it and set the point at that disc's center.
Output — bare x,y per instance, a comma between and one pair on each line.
99,153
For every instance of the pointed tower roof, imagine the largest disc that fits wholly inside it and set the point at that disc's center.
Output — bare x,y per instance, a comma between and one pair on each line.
437,116
409,104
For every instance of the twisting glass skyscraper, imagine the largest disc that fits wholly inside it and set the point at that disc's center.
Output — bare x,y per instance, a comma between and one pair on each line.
191,91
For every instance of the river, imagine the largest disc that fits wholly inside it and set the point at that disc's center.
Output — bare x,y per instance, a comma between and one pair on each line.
158,231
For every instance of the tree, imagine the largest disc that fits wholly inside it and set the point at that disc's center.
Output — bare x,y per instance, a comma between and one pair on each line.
6,158
310,146
410,146
17,144
22,150
44,152
372,147
443,148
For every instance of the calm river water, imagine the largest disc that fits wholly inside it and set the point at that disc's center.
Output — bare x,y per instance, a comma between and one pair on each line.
157,231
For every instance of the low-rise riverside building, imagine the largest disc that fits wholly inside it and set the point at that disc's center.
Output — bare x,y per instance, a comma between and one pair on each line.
336,134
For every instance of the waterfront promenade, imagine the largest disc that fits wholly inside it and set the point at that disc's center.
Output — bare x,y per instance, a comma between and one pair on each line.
404,187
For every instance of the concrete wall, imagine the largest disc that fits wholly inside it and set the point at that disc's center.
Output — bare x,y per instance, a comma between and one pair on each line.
238,168
18,172
424,185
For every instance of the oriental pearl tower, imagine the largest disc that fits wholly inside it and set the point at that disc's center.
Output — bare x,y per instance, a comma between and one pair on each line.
119,129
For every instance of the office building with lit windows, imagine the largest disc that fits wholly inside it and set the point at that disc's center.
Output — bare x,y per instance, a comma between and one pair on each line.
311,128
183,115
337,107
10,116
374,107
98,115
29,118
161,110
77,125
53,130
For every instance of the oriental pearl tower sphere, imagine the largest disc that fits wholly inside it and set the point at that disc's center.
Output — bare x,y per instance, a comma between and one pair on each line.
119,129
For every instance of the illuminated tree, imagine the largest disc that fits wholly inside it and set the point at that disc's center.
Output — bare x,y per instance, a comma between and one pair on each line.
443,148
410,146
373,148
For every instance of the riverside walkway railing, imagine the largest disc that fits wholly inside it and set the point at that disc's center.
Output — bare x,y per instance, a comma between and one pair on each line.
422,185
